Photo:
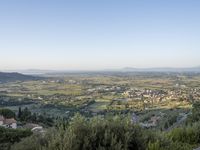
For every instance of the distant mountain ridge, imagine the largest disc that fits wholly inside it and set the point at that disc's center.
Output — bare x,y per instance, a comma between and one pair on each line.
166,69
14,76
36,72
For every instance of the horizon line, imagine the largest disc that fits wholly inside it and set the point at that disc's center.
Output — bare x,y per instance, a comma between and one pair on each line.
106,69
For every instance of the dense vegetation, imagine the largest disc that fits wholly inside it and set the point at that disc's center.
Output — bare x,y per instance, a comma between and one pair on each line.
10,136
116,133
25,115
112,132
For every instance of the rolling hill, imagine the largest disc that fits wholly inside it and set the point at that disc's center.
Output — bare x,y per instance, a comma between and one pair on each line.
12,77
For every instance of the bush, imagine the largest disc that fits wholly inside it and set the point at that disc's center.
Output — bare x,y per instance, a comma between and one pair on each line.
87,134
10,136
116,133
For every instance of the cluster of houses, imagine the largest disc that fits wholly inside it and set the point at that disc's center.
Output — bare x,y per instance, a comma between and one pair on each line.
12,123
104,88
8,123
162,95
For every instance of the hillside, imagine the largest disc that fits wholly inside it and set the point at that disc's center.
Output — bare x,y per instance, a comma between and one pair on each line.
11,77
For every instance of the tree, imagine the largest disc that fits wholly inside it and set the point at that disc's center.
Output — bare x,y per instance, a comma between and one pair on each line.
195,112
19,113
7,113
25,115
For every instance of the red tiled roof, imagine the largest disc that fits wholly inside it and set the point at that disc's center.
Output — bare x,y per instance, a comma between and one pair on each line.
10,121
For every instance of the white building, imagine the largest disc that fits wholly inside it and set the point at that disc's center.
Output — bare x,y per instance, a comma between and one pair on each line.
1,120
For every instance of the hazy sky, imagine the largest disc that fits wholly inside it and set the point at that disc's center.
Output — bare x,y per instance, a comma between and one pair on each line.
99,34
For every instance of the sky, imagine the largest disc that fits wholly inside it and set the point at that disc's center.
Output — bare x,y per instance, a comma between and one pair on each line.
99,34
